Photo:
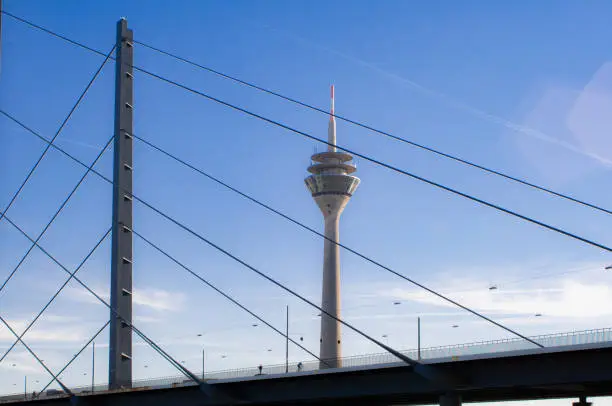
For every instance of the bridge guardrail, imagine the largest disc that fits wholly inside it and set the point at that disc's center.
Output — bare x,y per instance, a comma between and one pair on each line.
592,336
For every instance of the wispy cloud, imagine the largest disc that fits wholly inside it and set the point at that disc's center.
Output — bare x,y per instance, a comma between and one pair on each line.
55,334
159,299
152,298
450,101
573,299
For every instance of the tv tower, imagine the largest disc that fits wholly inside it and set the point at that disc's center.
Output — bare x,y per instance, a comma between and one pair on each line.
331,186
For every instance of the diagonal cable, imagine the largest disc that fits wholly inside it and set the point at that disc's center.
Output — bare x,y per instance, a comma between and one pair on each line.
64,387
378,162
373,129
57,133
312,230
180,367
348,120
367,158
399,355
64,203
56,294
145,203
221,292
185,371
75,356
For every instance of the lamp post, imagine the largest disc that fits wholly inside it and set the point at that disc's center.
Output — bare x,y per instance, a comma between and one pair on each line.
287,344
418,338
93,365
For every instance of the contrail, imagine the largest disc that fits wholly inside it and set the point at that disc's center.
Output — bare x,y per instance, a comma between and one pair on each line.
451,101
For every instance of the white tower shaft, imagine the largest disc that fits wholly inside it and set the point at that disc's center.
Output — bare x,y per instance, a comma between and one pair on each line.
332,186
331,337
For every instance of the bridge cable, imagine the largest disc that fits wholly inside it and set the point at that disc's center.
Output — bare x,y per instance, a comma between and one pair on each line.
156,347
379,163
59,130
89,254
312,230
64,387
75,356
367,158
269,208
373,129
346,119
400,275
64,203
228,297
380,344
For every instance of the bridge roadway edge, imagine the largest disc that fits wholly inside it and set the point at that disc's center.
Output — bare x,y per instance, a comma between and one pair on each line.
563,374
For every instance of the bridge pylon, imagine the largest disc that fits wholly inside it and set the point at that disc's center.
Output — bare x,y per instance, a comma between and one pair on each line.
120,342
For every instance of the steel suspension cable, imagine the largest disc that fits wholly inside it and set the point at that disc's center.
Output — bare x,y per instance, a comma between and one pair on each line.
143,202
378,131
346,119
367,158
64,387
221,292
180,367
312,230
355,252
56,294
58,211
75,356
379,163
58,132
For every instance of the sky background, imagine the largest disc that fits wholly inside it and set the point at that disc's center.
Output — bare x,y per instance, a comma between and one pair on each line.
521,87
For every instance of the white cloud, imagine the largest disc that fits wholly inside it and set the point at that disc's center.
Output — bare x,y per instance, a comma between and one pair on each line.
571,299
159,299
152,298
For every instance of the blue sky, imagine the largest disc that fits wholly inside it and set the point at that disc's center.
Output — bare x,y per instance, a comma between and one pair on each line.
518,86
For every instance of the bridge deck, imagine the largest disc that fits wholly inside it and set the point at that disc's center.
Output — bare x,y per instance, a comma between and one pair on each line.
512,351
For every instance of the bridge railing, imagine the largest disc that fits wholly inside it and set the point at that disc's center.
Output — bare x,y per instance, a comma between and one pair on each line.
483,347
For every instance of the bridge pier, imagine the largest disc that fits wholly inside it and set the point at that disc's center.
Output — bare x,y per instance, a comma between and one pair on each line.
450,399
582,401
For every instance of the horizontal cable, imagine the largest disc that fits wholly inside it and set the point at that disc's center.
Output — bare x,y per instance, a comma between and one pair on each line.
75,356
57,212
56,294
312,230
57,133
225,295
373,129
64,387
180,367
380,344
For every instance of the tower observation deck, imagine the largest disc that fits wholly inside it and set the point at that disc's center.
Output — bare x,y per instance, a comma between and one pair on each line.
331,185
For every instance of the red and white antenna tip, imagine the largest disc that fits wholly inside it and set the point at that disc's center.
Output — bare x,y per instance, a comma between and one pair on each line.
332,99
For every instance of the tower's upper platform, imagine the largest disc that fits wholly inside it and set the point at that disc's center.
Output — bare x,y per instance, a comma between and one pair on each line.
331,170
